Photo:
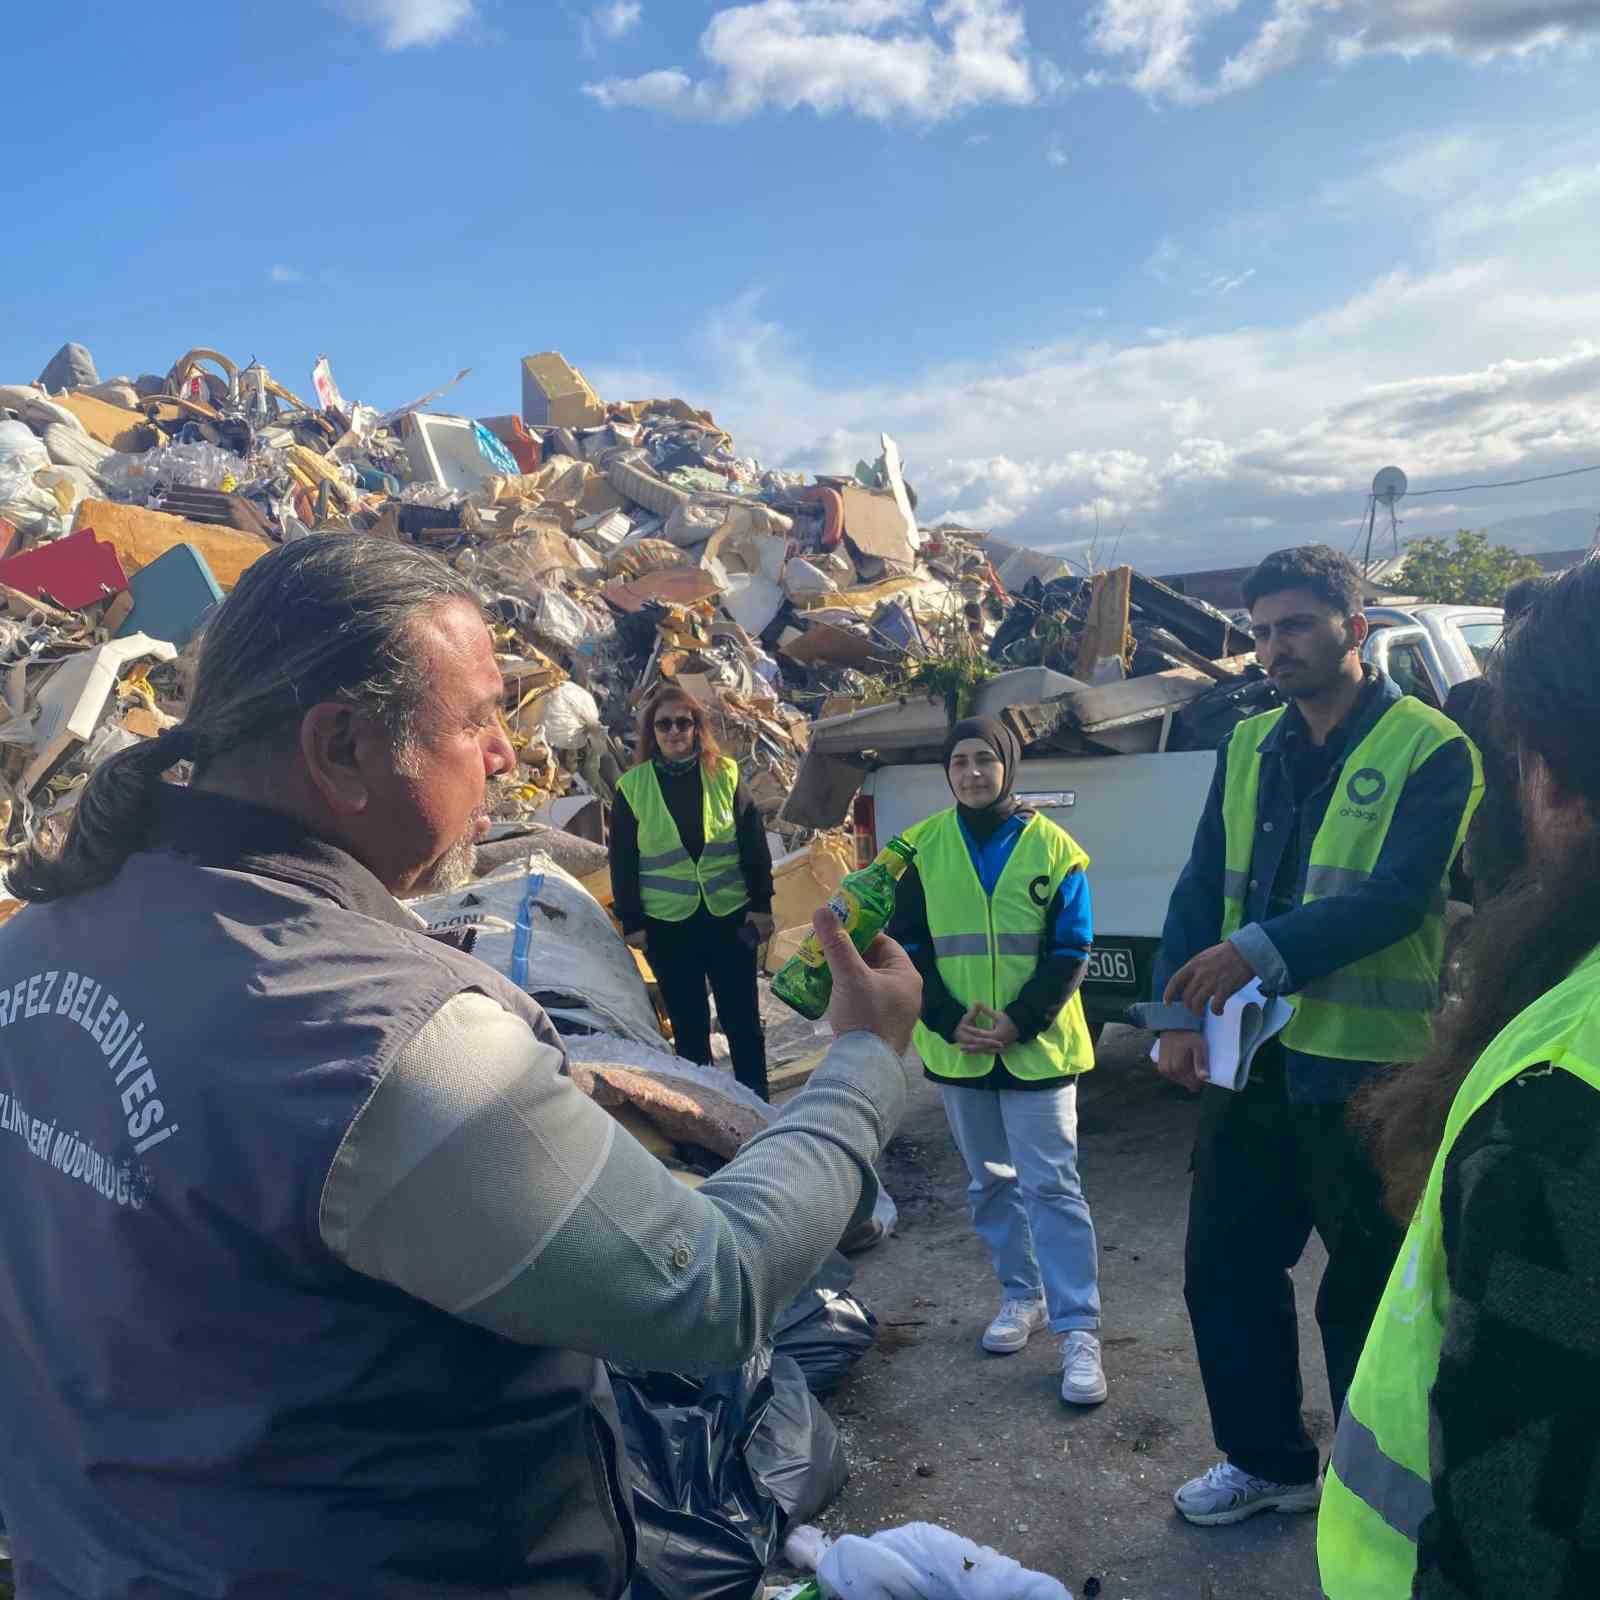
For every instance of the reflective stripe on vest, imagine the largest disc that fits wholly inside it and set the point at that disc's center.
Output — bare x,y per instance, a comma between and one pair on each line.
1380,1007
1378,1489
671,884
988,947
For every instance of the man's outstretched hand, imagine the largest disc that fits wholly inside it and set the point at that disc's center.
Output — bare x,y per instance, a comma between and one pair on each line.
880,993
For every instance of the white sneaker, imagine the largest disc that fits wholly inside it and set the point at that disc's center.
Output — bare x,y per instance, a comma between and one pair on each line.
1083,1379
1017,1323
1224,1494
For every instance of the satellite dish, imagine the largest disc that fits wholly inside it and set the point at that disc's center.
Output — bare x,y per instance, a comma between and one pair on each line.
1389,486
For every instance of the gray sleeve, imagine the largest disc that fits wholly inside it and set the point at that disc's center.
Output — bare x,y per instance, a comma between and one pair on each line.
480,1179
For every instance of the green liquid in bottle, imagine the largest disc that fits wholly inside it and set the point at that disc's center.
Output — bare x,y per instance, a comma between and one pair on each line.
864,904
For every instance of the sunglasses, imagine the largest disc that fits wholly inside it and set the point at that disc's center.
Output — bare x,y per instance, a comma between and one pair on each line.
674,724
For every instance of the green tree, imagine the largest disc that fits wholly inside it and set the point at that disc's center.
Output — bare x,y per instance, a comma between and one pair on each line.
1472,572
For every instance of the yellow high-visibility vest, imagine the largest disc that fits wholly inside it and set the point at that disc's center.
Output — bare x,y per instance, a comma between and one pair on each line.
671,884
1379,1485
987,947
1379,1008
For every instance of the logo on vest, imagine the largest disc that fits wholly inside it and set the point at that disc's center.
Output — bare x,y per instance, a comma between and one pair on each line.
1364,790
1039,890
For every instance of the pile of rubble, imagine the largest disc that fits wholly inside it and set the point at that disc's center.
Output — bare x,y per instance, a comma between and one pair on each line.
615,545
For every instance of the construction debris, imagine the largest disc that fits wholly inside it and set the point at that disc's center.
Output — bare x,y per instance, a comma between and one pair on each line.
616,546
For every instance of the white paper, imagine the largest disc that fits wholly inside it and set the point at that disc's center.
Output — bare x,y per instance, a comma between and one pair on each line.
1248,1020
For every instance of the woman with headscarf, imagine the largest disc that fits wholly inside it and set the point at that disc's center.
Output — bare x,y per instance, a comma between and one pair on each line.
995,913
691,881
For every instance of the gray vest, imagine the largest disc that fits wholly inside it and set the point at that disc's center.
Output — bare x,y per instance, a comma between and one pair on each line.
196,1397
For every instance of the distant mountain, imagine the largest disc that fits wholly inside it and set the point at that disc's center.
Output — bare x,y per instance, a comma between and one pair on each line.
1547,530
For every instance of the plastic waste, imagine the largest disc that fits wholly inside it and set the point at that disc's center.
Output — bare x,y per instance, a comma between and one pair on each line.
883,1221
493,451
561,619
189,466
924,1562
28,499
719,1469
825,1330
567,717
18,442
579,969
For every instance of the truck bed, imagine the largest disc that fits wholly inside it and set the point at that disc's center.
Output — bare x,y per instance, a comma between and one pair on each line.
1135,815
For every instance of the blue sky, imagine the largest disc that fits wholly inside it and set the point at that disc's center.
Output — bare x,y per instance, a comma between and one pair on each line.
1188,271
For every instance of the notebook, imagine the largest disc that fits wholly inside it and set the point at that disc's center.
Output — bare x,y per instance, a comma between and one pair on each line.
1248,1020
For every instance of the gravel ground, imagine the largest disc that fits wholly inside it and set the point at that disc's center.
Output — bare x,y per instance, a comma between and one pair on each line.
938,1431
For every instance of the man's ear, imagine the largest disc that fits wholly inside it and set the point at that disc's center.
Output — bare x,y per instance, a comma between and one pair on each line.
334,746
1359,629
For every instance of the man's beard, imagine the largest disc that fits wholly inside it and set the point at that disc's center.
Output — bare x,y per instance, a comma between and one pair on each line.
457,866
453,869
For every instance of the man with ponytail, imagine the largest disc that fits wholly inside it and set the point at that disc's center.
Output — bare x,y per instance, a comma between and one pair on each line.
312,1253
1467,1462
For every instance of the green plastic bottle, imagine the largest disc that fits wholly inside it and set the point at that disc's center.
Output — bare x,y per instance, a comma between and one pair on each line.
864,904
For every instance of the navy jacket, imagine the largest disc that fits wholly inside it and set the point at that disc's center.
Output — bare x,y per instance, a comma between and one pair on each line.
1293,949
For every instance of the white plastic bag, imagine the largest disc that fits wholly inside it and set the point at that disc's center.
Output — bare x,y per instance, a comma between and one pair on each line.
560,618
567,716
542,929
923,1562
19,441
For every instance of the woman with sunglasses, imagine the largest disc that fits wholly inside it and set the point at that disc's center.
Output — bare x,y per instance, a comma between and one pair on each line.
691,880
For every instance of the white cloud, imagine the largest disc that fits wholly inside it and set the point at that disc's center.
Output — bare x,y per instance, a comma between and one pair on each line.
978,138
1225,283
283,274
881,59
1176,268
619,18
1056,153
1159,40
1201,450
610,22
402,24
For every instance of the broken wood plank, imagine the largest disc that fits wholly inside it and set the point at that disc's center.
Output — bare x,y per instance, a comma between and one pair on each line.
1112,706
1170,644
1105,629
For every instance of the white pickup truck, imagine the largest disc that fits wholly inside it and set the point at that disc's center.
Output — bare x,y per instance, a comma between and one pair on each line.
1136,814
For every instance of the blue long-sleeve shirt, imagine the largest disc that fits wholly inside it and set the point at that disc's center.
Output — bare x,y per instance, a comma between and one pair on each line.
1289,944
1066,931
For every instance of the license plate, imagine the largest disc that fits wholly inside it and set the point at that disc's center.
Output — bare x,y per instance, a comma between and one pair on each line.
1111,965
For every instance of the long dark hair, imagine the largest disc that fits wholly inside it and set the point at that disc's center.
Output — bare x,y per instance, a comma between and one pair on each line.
1546,683
327,617
669,694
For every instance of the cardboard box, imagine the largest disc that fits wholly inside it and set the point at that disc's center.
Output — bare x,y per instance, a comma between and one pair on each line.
555,394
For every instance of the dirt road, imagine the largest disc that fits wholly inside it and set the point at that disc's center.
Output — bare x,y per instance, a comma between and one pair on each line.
937,1430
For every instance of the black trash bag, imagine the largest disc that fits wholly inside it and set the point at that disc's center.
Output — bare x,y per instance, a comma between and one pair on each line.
794,1452
825,1329
1028,604
720,1467
1203,723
